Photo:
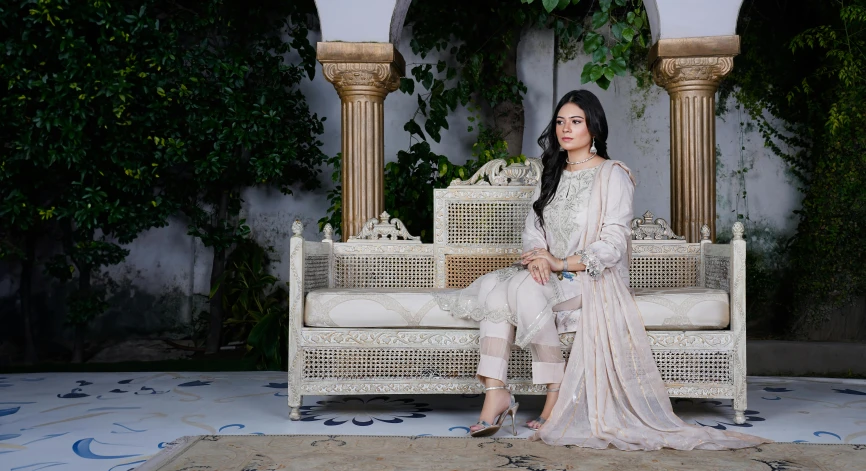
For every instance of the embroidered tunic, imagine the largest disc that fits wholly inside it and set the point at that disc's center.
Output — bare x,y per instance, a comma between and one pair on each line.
565,215
487,298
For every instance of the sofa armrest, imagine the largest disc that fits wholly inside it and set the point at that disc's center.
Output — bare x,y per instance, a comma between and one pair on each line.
311,266
723,266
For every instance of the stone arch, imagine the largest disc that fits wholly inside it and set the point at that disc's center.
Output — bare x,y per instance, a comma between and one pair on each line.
370,21
673,19
383,19
669,19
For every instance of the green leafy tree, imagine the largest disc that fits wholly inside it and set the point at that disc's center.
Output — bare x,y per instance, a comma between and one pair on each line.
477,43
804,64
256,307
80,80
240,120
481,40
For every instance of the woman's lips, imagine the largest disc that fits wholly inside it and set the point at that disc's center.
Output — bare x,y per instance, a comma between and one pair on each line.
566,139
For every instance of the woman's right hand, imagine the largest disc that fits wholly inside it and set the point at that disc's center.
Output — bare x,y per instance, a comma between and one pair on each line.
540,270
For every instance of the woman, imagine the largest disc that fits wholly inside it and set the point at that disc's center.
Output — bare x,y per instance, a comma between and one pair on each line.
574,272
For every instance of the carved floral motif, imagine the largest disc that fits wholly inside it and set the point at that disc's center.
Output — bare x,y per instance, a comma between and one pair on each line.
645,228
384,228
382,78
669,71
305,342
499,173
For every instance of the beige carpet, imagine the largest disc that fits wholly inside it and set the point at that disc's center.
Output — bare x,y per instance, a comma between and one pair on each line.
357,453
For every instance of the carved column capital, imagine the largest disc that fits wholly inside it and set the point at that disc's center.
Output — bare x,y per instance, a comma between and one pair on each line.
361,69
671,72
352,78
690,69
363,75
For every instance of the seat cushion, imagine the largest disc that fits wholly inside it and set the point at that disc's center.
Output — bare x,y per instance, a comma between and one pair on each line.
363,307
691,308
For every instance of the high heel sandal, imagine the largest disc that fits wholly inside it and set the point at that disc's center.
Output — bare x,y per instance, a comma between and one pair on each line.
488,429
540,420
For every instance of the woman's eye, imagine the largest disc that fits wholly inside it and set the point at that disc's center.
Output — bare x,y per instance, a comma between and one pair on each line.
559,123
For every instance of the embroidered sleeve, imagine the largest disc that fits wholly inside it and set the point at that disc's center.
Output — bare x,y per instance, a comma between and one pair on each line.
612,244
593,264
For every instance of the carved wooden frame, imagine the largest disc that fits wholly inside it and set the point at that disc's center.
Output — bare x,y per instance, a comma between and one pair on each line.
303,341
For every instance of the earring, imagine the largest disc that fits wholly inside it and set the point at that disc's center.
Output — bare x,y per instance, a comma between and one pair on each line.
592,149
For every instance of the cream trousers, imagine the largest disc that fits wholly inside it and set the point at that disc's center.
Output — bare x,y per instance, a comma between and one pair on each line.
524,297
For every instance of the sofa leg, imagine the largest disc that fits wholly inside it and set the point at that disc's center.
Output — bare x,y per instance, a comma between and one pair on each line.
295,407
739,406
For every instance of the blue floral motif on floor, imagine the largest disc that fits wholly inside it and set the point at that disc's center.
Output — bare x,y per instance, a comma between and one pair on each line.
364,411
751,415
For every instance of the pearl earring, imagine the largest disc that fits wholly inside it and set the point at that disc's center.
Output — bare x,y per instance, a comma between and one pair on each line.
592,149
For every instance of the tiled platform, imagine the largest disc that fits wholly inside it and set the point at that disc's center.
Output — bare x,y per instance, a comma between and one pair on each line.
114,421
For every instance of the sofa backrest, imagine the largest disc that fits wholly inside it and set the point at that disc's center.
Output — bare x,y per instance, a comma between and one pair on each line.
477,228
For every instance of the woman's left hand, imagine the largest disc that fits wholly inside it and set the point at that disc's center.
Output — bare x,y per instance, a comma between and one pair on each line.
541,254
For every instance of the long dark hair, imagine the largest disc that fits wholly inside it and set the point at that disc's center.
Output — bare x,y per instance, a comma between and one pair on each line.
553,158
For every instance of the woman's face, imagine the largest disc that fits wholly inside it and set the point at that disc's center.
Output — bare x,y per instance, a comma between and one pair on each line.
571,130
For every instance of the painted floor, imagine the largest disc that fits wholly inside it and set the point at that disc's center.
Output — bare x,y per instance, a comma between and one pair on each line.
115,421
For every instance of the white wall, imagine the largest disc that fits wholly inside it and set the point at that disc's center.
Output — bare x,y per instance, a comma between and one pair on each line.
671,19
640,136
356,20
166,267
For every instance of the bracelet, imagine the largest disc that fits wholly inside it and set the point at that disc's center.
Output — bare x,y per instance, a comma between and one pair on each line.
565,264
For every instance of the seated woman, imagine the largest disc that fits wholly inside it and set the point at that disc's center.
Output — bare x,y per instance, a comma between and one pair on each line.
574,269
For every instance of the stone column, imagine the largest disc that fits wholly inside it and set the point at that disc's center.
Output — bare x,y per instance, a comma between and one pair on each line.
363,74
690,69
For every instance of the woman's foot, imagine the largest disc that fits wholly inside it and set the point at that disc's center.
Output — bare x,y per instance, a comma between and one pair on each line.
549,402
496,401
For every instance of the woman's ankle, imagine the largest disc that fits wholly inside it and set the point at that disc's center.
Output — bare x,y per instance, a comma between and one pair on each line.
492,382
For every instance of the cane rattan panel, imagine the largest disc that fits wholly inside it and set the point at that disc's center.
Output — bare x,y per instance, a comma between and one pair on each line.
677,366
462,270
664,271
315,272
486,223
717,276
383,271
418,363
404,363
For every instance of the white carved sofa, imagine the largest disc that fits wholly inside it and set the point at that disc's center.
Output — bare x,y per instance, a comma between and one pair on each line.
363,320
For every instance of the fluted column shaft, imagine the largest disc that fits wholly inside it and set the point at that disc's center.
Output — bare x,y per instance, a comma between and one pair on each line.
363,74
692,82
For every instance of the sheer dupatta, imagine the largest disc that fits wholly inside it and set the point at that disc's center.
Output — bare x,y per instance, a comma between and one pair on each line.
613,393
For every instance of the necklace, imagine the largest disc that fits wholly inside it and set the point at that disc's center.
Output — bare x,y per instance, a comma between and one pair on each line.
581,162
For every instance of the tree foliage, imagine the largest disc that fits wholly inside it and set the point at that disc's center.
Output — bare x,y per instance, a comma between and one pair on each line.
80,80
804,64
118,114
240,119
476,45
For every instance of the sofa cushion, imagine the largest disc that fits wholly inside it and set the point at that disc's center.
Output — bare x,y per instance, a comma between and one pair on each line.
378,307
691,308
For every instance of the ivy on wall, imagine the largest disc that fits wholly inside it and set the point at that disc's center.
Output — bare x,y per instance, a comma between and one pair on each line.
804,64
477,44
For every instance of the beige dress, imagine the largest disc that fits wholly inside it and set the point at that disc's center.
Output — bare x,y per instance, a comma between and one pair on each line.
612,393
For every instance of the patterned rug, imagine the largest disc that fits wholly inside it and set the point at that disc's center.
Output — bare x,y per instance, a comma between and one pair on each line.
357,453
